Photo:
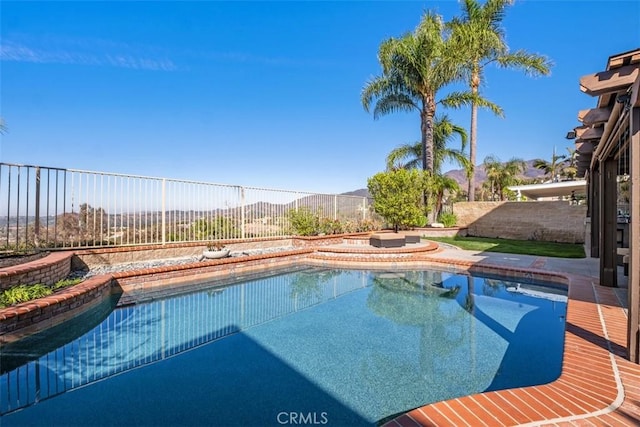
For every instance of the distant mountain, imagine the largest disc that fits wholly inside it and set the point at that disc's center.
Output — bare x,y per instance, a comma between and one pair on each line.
363,192
461,178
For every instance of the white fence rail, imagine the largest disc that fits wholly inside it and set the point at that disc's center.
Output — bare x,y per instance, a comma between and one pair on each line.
48,207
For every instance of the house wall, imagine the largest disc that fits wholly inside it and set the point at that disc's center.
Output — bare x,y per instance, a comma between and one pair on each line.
553,221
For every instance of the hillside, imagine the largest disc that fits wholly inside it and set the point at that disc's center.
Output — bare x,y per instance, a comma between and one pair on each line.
481,176
461,178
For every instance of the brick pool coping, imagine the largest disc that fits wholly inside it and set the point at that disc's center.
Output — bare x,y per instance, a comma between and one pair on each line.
597,386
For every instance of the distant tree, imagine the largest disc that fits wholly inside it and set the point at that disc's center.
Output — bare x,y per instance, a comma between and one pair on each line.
501,175
570,168
397,196
553,168
480,41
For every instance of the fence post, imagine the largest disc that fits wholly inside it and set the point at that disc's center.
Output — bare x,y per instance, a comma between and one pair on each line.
242,212
36,229
164,210
335,207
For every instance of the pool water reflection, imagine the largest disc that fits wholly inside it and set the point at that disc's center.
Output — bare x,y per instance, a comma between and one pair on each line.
345,346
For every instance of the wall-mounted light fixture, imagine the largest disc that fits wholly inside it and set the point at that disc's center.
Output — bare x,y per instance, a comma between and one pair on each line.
571,134
623,98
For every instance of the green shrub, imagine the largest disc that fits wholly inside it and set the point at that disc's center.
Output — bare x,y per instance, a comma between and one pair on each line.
219,227
367,225
303,222
448,219
398,196
331,226
65,283
23,293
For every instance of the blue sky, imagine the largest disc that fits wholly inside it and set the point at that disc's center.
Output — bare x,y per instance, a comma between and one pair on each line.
267,94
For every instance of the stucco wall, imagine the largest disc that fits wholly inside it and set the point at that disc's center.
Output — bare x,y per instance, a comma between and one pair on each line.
557,221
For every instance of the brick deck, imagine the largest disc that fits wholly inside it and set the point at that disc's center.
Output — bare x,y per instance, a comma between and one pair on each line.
598,386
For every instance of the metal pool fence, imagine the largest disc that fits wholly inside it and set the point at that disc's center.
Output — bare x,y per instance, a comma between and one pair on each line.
45,207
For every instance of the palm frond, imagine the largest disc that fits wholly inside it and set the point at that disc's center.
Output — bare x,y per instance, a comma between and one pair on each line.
459,99
406,156
393,103
532,64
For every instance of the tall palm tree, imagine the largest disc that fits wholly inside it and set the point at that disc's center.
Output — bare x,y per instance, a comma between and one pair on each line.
501,175
552,168
480,41
414,68
409,156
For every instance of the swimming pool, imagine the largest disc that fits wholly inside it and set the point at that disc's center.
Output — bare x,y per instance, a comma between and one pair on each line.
330,347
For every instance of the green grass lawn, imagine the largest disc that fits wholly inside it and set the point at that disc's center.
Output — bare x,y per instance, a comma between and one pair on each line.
522,247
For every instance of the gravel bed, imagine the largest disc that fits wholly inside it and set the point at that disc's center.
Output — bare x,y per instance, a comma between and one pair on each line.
140,265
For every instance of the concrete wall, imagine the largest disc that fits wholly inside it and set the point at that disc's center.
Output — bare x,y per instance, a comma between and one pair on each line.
557,221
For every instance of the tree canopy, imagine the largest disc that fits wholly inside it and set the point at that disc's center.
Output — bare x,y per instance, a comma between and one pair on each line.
480,41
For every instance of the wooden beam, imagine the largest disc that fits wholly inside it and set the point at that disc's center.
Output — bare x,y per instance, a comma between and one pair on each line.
608,222
634,101
603,147
592,133
620,58
613,80
584,147
594,115
616,62
633,317
594,208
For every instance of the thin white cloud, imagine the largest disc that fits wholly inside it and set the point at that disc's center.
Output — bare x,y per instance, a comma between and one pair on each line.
249,58
81,52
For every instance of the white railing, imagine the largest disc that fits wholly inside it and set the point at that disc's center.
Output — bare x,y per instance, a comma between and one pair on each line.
48,207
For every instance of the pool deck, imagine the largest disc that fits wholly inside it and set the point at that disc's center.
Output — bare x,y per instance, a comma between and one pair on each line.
597,387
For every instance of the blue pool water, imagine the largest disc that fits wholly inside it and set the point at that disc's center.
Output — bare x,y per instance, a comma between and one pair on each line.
315,346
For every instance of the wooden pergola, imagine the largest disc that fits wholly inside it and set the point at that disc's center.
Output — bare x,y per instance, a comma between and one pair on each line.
608,147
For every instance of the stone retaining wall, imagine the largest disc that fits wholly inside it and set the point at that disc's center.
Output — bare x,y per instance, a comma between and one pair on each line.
555,221
90,258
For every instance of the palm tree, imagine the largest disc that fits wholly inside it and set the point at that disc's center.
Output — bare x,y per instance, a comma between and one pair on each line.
552,168
441,184
479,41
414,68
409,156
501,175
570,169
